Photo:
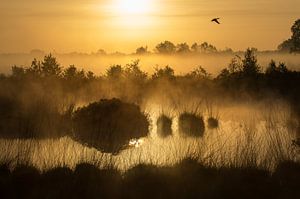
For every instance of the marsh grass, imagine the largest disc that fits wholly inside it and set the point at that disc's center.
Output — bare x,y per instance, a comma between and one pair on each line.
191,124
250,144
213,116
263,141
164,126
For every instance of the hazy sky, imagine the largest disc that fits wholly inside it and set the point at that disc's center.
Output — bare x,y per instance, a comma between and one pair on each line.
123,25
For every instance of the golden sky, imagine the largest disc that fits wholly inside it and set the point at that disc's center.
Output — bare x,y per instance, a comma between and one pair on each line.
124,25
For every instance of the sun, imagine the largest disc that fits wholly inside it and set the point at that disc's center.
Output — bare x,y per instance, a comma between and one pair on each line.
132,14
132,7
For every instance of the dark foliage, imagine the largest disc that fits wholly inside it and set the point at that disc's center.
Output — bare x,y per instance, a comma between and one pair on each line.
92,182
191,124
42,115
292,44
164,126
109,125
166,47
212,123
26,180
56,183
187,179
37,119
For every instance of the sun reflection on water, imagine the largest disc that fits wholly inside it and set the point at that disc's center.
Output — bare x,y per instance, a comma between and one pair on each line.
136,142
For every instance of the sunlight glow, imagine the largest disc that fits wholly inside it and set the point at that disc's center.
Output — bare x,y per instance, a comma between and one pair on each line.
132,7
136,142
132,14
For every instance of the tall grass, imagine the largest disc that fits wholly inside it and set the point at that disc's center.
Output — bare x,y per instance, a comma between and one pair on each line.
254,143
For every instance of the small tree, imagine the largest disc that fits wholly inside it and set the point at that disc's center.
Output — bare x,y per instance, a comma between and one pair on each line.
223,74
296,37
282,68
272,68
183,48
142,50
207,48
195,48
235,65
90,75
292,44
166,47
17,72
286,46
163,73
199,73
50,67
250,65
133,72
115,72
71,73
35,69
101,52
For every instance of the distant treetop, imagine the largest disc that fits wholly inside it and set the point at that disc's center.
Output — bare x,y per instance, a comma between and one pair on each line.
292,44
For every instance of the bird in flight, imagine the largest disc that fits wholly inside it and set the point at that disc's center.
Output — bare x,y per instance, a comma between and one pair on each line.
216,20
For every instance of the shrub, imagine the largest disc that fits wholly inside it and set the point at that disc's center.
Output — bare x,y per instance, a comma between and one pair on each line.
212,123
191,124
250,66
35,119
25,180
164,126
109,125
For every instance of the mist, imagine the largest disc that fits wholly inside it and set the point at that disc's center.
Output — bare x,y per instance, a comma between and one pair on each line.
212,62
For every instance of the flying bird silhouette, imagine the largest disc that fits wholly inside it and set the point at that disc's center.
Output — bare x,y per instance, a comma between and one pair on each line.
216,20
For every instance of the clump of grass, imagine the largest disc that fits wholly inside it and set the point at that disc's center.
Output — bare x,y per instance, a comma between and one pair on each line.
109,125
164,126
191,124
213,117
212,123
37,118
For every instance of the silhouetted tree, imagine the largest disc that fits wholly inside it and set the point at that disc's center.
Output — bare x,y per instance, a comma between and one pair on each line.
35,69
282,68
142,50
199,73
90,75
207,48
250,65
296,37
194,48
101,52
183,48
50,67
17,72
166,47
223,74
292,44
227,50
286,46
115,72
235,65
274,69
71,73
163,73
134,73
203,48
271,68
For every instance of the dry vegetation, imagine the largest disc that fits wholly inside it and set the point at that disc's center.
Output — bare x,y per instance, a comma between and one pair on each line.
240,133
